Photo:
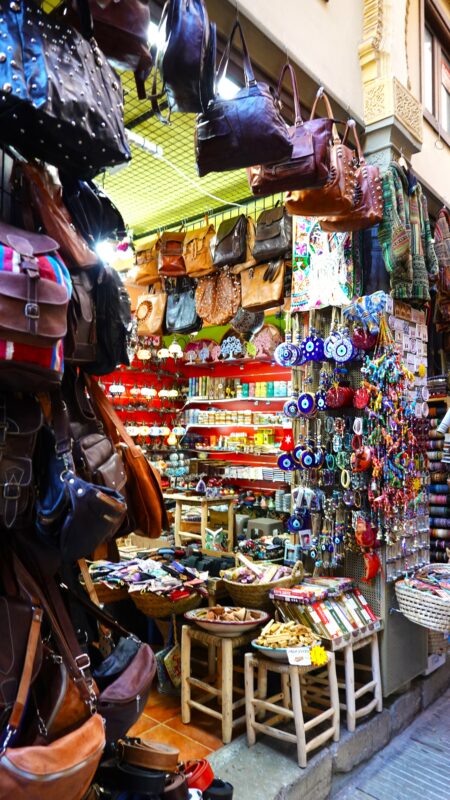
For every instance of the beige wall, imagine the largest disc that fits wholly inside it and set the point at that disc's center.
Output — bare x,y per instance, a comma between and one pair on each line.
432,164
320,37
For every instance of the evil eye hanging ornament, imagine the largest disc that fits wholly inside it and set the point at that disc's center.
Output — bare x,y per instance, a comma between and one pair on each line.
343,349
287,353
307,404
291,408
286,462
312,347
321,394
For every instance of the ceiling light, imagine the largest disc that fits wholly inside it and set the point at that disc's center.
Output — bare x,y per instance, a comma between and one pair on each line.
227,88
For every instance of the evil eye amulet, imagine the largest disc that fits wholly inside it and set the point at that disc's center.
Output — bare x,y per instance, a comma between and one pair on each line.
321,401
286,354
291,409
294,524
343,350
330,343
312,348
308,459
306,403
287,463
298,452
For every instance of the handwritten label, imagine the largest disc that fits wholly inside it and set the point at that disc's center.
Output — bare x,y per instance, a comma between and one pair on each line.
299,656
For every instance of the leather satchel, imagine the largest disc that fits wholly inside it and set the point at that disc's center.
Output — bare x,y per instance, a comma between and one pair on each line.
218,297
92,211
337,195
367,209
170,256
309,165
20,422
80,344
181,312
263,286
247,129
197,251
145,272
150,313
231,239
273,237
144,497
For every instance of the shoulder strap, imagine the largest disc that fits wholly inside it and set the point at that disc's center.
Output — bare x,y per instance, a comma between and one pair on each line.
223,66
109,417
97,611
289,68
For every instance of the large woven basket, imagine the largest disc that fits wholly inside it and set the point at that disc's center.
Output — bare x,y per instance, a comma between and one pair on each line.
107,594
157,606
256,595
424,609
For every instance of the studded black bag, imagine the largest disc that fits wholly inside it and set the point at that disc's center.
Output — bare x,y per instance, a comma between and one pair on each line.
60,101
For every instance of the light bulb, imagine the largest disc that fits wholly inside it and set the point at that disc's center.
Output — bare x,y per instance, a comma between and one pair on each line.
172,439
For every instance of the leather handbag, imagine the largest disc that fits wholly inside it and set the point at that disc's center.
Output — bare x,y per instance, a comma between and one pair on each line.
144,497
309,165
170,254
230,246
35,288
181,312
145,272
186,59
113,323
367,209
218,297
92,211
80,344
198,249
244,130
20,422
263,286
150,313
337,195
16,619
42,193
273,237
79,119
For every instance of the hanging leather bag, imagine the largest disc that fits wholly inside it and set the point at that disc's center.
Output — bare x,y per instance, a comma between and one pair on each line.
145,272
197,251
186,59
247,129
144,497
263,286
113,323
80,344
218,297
336,196
61,101
309,165
367,209
92,211
150,312
170,254
273,237
181,313
231,240
20,423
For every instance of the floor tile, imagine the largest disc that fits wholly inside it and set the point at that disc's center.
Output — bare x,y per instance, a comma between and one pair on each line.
144,723
202,729
188,747
162,707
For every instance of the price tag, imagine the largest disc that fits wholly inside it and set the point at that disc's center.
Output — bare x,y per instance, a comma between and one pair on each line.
299,656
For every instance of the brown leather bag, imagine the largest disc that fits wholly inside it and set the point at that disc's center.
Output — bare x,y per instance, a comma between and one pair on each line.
231,241
170,256
43,194
263,286
368,195
144,497
80,344
145,272
20,422
309,165
336,196
150,312
218,297
197,251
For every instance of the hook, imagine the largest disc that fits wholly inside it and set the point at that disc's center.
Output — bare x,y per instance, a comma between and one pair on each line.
237,10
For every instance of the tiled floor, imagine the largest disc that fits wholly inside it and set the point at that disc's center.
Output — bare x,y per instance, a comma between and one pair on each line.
161,721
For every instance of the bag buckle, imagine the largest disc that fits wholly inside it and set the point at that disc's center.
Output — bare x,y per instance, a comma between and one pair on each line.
11,491
83,662
32,311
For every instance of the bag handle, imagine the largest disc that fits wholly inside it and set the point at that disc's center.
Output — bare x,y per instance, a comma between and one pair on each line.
322,96
115,427
351,126
250,79
297,108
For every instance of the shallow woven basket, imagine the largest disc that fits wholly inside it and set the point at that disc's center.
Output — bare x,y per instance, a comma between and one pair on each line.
106,594
249,595
424,609
157,606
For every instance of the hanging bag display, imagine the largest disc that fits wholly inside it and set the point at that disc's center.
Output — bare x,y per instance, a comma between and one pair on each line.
263,286
92,211
231,241
337,194
113,323
367,209
170,254
198,251
61,101
181,313
150,312
309,165
218,297
145,271
20,422
247,129
80,344
273,237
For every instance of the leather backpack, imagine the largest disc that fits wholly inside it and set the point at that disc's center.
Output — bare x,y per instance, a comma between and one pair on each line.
113,323
20,423
273,238
197,251
145,271
170,254
80,345
186,60
231,239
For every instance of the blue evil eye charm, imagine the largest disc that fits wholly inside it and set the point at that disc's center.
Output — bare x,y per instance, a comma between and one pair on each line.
290,408
312,348
306,403
331,548
330,343
313,554
308,459
343,350
319,457
286,354
297,453
294,524
286,462
321,401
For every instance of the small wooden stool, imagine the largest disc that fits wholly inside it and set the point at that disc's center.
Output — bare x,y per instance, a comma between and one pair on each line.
220,656
353,689
291,708
204,504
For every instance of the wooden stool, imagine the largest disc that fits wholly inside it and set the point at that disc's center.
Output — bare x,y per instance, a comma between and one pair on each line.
220,655
291,704
205,504
352,688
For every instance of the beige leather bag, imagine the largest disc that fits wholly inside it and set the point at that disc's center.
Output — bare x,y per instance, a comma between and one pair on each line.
197,251
150,311
145,271
263,286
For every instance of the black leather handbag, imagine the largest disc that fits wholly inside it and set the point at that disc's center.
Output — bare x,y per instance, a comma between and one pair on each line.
186,60
245,130
60,100
230,247
92,211
273,238
181,313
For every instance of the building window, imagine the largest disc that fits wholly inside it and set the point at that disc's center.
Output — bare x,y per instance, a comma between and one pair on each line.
436,68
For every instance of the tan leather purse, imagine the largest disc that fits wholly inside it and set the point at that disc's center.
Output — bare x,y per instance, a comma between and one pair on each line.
150,312
197,251
170,256
368,195
336,196
145,271
218,297
263,286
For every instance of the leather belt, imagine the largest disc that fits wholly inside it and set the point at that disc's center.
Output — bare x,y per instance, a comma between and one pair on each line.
199,774
219,790
176,788
149,755
132,779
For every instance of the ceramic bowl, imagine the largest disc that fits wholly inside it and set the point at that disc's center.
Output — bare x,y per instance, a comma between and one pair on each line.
226,629
275,653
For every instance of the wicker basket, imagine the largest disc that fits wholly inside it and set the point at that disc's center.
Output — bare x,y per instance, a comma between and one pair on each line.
256,595
106,594
424,609
157,606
